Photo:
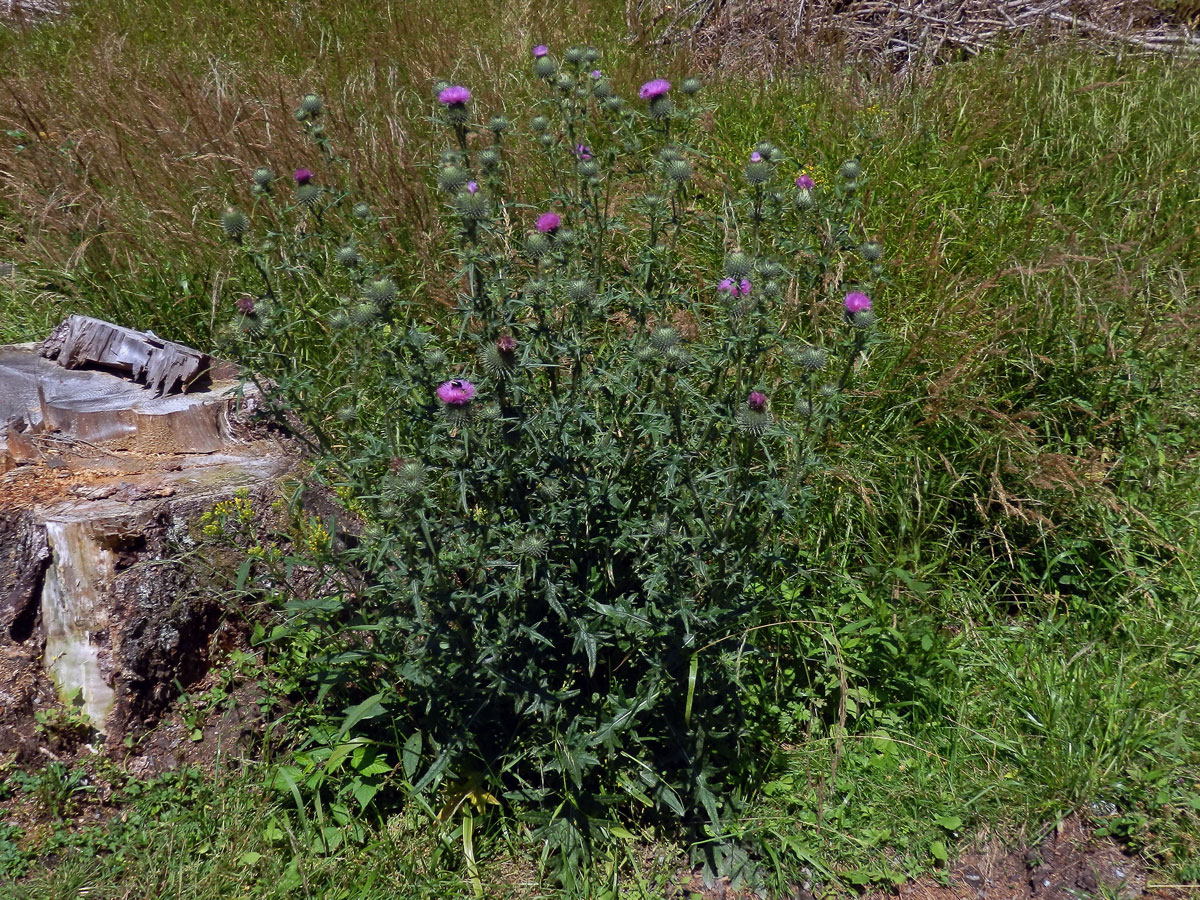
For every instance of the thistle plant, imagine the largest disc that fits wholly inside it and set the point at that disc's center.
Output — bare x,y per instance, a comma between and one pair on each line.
583,484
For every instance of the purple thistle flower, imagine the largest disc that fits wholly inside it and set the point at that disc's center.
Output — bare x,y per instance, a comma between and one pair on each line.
548,222
583,151
726,286
757,401
540,50
805,182
472,187
303,176
455,95
596,75
745,286
456,392
506,343
245,304
856,302
653,89
755,156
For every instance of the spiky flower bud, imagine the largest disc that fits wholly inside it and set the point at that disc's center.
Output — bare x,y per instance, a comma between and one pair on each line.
234,223
535,287
758,172
435,358
865,319
579,290
450,178
262,178
539,124
312,105
602,89
411,477
308,195
850,170
827,391
339,319
500,358
738,265
383,291
676,357
550,489
678,171
664,338
588,168
361,211
660,527
770,268
613,104
364,313
871,251
472,206
348,257
546,140
753,415
661,107
564,236
489,159
690,86
646,354
564,82
771,289
590,55
537,245
533,546
813,358
499,125
805,199
573,55
544,67
768,151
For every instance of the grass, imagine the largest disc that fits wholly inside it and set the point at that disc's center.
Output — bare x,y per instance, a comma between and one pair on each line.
1008,571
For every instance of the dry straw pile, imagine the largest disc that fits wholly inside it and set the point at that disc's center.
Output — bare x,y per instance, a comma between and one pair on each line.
902,33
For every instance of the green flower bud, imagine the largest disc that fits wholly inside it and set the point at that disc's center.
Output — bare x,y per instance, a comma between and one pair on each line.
544,67
690,86
361,211
589,168
850,170
489,159
758,173
382,291
678,171
738,265
312,105
499,125
234,223
451,178
262,178
871,251
664,338
308,195
347,256
579,290
537,245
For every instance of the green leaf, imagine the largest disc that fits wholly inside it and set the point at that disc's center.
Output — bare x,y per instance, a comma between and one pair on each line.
950,823
410,756
368,709
938,849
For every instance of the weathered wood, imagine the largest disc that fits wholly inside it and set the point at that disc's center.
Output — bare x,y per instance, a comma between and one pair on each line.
162,366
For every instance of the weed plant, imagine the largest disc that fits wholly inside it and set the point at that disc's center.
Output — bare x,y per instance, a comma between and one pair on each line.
581,487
